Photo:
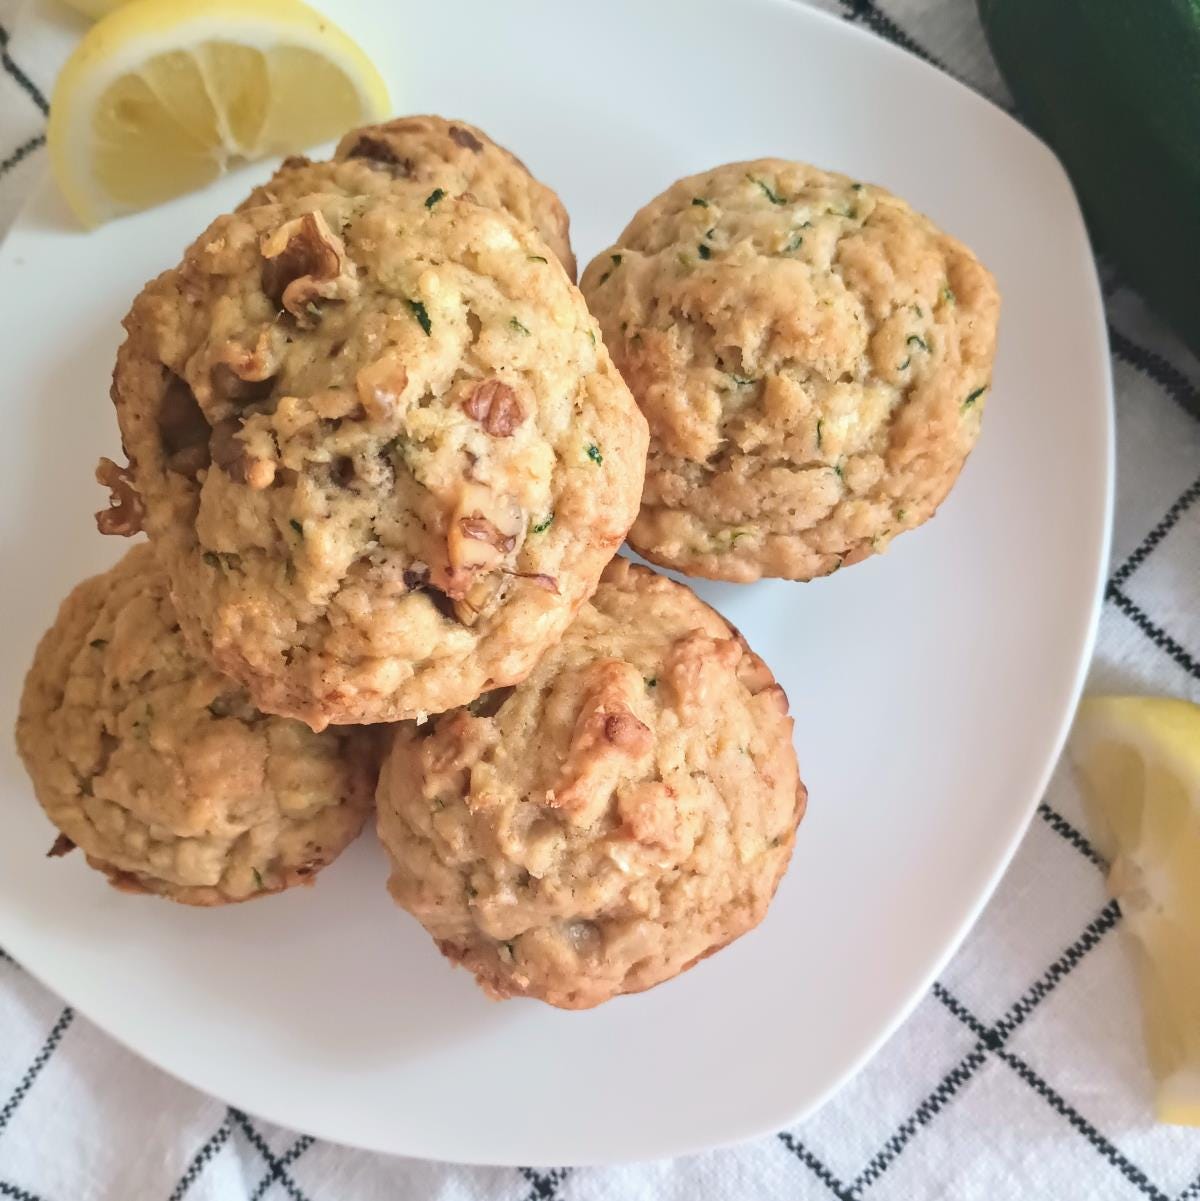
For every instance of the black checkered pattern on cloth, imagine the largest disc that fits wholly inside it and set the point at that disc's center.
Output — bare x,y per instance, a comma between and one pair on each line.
1021,1075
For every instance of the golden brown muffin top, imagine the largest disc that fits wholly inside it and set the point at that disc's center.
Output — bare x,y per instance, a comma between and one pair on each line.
625,811
160,769
381,450
430,157
813,358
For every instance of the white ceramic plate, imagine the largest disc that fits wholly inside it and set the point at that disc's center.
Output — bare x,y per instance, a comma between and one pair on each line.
931,686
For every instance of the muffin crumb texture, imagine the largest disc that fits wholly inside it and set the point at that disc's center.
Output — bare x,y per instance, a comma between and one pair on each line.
813,358
161,772
359,429
428,158
624,812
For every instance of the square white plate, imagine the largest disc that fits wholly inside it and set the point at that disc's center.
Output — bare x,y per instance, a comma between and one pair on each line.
932,686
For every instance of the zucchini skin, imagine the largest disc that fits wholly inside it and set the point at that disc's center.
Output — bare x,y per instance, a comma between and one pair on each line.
1114,87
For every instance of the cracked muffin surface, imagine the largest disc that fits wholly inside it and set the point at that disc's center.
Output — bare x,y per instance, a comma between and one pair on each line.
428,156
624,812
161,771
380,449
813,358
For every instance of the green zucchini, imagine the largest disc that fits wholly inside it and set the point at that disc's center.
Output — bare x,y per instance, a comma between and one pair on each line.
1114,87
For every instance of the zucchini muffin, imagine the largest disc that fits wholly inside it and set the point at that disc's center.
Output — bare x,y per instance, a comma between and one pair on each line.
161,771
813,357
380,449
430,157
626,811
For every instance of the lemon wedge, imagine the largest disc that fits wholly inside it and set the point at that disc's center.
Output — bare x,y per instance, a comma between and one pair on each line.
95,8
1139,763
161,96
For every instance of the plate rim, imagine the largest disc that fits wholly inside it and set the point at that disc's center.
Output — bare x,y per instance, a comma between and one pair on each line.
801,11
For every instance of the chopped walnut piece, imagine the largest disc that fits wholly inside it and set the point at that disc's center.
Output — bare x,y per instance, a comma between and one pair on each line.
379,152
483,530
380,385
305,261
183,428
62,846
474,545
125,512
628,732
470,607
229,385
239,372
453,582
465,138
546,582
496,407
230,454
607,735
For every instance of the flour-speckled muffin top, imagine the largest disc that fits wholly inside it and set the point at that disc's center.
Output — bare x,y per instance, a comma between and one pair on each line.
380,448
813,357
624,812
161,771
429,156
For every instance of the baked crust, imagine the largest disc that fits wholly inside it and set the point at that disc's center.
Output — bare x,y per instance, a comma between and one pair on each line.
424,155
161,771
626,811
813,358
381,450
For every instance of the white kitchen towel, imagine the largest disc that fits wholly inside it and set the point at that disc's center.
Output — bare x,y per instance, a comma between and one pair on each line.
1020,1075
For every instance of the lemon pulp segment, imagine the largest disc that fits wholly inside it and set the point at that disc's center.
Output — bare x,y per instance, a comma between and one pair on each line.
162,96
1139,763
